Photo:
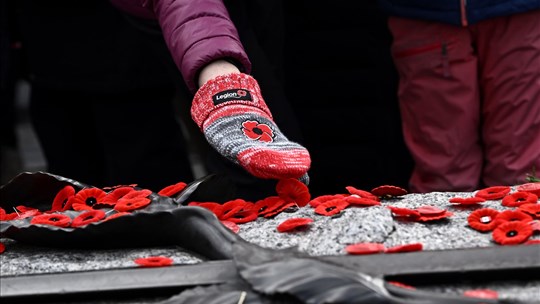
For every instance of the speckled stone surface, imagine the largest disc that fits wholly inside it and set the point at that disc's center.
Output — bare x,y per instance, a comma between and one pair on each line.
325,236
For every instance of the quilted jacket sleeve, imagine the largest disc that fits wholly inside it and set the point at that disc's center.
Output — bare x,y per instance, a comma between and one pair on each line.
198,32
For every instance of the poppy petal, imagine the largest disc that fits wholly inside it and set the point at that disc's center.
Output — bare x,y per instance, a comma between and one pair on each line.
481,293
154,261
405,248
483,219
467,200
388,191
493,193
365,248
88,217
291,189
54,219
293,223
512,233
519,198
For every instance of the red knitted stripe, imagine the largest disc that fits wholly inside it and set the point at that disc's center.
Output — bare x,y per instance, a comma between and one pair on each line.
231,111
203,105
275,164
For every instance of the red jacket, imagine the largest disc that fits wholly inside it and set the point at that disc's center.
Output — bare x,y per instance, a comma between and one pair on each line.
196,32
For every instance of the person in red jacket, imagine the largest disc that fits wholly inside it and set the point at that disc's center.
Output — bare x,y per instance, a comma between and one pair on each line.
469,90
228,105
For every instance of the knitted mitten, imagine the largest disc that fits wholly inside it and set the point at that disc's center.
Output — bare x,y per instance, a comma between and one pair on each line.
235,120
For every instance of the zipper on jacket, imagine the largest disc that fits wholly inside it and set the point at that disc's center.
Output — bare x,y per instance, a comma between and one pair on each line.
464,20
445,59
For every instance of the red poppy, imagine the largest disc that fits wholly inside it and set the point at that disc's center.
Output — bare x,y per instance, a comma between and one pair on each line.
257,131
87,198
291,189
511,233
532,242
231,225
513,215
172,189
402,285
519,198
429,218
7,216
279,209
26,212
243,216
52,219
137,194
331,207
230,208
430,210
362,193
467,200
405,248
365,248
293,223
481,293
530,187
2,247
60,202
483,219
493,193
154,261
216,208
531,209
324,198
126,205
388,191
116,215
535,225
88,217
361,201
404,211
112,197
267,205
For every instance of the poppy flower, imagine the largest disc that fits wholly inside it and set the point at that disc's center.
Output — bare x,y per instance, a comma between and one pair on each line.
137,194
280,209
513,215
483,219
88,217
60,201
365,248
2,247
405,248
52,219
403,211
257,131
493,193
112,197
331,207
535,225
530,187
291,189
402,285
467,200
429,218
293,223
87,198
268,205
234,206
243,216
154,261
388,191
356,200
519,198
116,215
231,225
130,204
531,209
512,233
361,193
7,216
324,198
172,189
481,293
26,212
430,210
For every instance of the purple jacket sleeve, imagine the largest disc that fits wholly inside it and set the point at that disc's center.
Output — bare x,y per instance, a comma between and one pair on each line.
197,32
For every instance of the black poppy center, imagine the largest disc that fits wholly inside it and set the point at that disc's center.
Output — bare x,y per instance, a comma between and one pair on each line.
91,201
520,199
64,202
257,131
511,233
328,209
54,219
88,217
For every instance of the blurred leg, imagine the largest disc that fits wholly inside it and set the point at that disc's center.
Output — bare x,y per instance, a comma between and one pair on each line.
439,104
509,53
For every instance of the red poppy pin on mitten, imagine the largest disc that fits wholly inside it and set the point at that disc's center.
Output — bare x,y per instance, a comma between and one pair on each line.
237,123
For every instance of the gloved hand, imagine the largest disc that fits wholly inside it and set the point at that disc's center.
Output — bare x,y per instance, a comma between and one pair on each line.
235,120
